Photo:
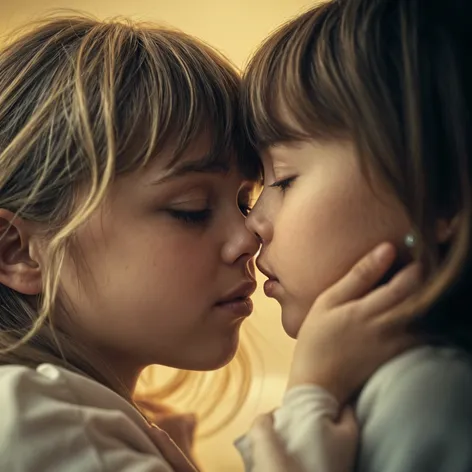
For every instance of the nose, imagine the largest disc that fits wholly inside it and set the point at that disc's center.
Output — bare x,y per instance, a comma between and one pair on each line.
258,222
242,245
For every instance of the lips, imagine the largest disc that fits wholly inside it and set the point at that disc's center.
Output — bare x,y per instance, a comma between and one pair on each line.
272,287
262,268
240,293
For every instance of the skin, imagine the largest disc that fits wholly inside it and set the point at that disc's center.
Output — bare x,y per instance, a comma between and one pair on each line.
149,268
316,217
155,278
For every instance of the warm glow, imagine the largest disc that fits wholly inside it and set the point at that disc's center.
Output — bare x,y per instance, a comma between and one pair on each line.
236,27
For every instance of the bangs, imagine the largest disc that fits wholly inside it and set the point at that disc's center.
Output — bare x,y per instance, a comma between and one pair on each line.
147,89
104,98
293,87
175,89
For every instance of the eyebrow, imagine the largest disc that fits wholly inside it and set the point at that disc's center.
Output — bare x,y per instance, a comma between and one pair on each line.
204,165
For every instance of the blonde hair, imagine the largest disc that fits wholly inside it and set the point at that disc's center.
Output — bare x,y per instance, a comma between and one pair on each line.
82,101
395,78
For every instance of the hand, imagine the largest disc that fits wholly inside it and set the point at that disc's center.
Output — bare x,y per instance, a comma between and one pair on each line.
269,455
267,450
180,427
169,450
351,329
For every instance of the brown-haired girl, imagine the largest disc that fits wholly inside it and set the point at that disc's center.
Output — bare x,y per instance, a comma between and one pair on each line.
361,110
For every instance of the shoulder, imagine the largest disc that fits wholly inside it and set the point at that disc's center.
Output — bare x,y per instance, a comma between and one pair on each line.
28,388
420,378
417,408
53,418
23,382
24,389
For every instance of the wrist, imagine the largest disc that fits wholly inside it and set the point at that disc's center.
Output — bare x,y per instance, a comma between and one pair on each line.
324,382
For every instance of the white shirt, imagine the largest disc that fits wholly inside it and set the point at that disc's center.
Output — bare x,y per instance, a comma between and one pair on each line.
53,420
415,415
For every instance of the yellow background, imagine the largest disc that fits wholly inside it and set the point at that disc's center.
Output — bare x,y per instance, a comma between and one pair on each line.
236,27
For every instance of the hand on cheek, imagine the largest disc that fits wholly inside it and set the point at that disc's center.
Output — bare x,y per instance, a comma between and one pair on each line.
352,328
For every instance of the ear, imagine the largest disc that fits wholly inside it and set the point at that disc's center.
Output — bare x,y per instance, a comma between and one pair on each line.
446,229
18,270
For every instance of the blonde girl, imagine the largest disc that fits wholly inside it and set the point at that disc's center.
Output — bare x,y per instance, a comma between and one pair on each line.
125,182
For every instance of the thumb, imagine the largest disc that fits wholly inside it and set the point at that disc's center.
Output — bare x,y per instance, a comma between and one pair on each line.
346,438
347,426
267,450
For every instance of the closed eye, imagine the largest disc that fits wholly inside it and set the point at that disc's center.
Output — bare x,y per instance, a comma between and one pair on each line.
192,217
283,184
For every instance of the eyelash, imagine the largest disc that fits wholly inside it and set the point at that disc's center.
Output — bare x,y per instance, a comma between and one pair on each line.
199,217
283,184
245,209
202,217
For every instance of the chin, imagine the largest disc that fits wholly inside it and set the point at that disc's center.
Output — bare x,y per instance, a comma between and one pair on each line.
291,323
209,363
210,356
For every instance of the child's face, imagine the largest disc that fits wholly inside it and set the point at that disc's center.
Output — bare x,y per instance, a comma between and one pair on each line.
155,265
316,228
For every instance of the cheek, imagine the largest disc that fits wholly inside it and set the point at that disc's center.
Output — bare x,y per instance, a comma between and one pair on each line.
321,235
145,296
154,274
179,277
161,269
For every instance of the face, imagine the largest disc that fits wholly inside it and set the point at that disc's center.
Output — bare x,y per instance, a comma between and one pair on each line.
317,216
165,268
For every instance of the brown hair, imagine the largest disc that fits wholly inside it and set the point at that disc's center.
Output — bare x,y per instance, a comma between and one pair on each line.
82,101
394,77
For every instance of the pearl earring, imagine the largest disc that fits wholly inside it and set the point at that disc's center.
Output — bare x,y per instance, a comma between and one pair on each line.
410,240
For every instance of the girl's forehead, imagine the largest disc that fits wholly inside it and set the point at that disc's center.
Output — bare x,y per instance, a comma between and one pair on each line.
280,150
205,154
197,159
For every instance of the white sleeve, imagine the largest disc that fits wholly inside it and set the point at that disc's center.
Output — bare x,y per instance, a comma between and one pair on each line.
44,428
420,421
306,426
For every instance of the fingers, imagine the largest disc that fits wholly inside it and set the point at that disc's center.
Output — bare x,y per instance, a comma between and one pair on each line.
267,451
262,426
362,277
181,429
171,453
394,293
347,425
190,423
346,437
178,423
